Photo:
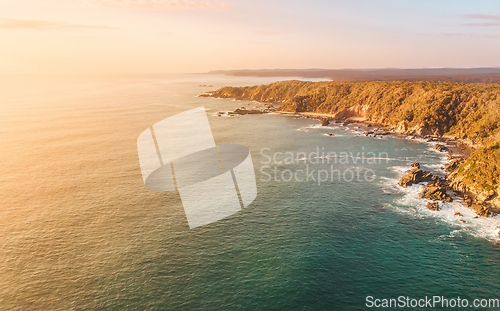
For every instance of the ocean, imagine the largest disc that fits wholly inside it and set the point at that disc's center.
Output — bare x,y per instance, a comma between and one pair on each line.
329,226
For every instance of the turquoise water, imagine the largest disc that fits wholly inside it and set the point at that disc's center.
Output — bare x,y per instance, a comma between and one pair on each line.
80,231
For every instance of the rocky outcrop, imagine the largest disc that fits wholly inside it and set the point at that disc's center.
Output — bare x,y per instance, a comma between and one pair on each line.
483,201
434,111
244,111
416,176
435,190
419,130
453,164
440,148
433,206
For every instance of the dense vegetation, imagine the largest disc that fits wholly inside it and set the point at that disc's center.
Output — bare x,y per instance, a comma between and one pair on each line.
483,167
470,112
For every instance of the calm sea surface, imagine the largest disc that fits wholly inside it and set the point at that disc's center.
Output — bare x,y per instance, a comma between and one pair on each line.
79,231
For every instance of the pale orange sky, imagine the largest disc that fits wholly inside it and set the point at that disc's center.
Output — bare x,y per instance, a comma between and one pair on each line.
163,36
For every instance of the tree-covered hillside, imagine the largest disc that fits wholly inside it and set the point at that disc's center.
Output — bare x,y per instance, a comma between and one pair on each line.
469,112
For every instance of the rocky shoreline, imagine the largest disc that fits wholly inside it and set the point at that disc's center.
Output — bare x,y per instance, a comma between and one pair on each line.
485,203
244,111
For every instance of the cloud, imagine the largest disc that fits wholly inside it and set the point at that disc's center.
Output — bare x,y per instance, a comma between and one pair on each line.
493,20
7,23
165,4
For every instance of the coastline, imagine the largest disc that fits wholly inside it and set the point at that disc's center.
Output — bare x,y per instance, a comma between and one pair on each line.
458,150
457,147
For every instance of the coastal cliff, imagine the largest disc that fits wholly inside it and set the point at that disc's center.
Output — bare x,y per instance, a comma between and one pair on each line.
467,114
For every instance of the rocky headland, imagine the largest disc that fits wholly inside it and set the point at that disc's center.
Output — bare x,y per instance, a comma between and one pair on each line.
465,115
244,111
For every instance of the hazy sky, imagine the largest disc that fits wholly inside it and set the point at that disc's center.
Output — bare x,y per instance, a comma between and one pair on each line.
155,36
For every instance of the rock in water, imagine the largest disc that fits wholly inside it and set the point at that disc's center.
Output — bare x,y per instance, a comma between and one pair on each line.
440,148
325,122
433,206
435,189
480,209
435,193
416,176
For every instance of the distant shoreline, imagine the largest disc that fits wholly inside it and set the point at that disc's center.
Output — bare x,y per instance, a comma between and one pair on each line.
458,75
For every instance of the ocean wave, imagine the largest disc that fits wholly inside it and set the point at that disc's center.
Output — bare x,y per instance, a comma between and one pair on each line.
438,169
400,169
454,213
309,127
416,139
389,185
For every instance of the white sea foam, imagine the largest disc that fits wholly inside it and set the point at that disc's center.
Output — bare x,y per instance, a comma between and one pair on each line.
438,169
309,127
416,139
331,127
410,202
389,185
334,135
400,169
